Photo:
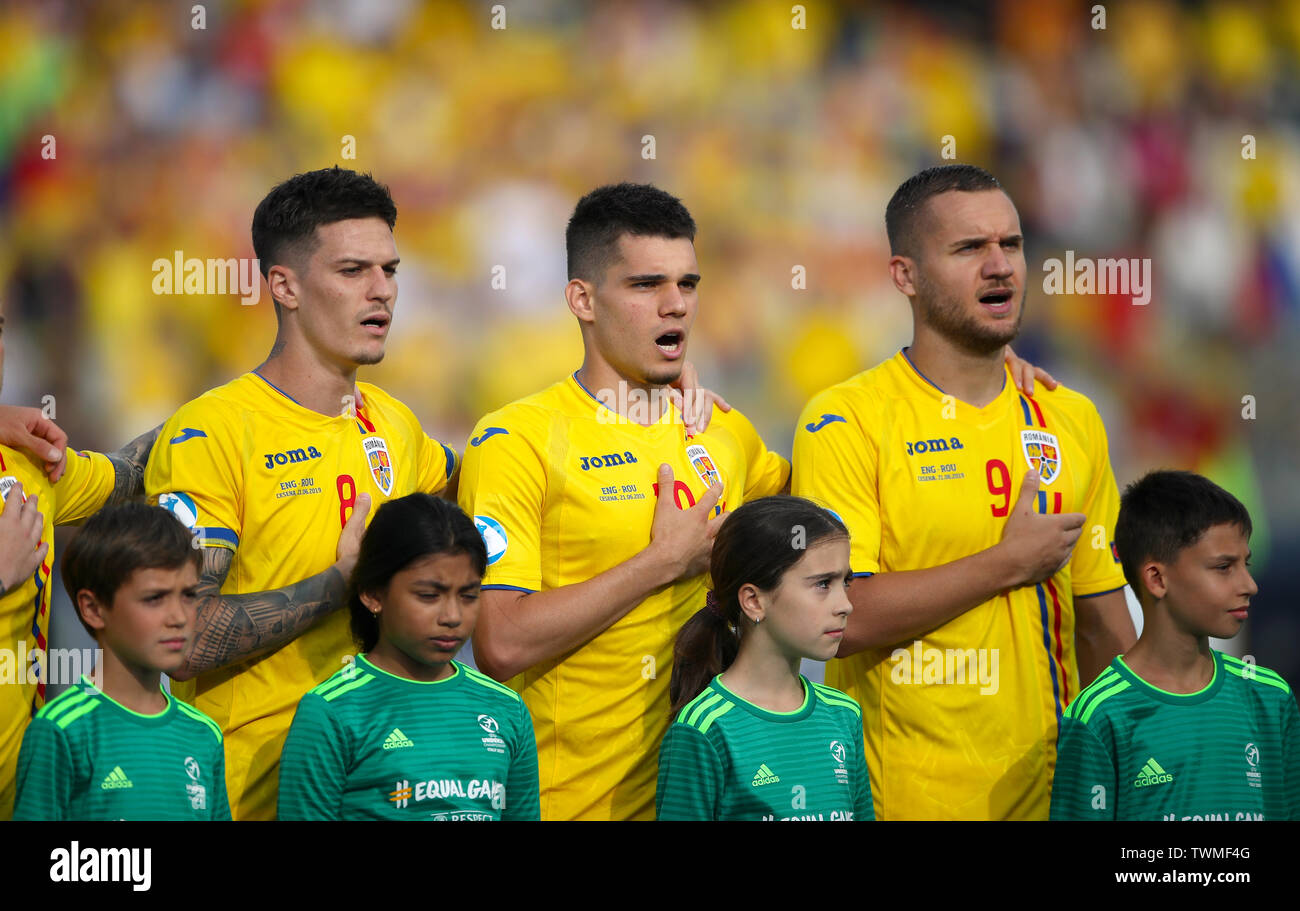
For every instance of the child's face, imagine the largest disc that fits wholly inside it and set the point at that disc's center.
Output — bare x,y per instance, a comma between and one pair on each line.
430,607
151,622
810,608
1208,587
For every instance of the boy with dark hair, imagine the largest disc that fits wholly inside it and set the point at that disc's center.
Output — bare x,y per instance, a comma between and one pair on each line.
1174,729
128,750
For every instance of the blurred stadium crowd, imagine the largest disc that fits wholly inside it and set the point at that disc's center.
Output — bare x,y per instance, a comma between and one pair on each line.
785,144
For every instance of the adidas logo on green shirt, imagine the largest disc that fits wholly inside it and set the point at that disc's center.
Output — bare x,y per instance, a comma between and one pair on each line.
763,776
1152,774
397,740
116,779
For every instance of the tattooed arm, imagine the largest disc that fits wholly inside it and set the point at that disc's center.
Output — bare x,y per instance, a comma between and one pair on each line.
230,628
128,467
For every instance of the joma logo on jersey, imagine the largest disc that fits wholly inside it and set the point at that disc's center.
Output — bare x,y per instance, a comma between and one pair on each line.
606,461
917,447
290,456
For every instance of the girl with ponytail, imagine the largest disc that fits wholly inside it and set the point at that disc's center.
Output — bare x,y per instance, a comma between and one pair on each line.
752,738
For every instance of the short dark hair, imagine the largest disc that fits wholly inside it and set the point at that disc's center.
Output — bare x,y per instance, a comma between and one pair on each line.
403,531
285,222
607,213
908,202
118,540
1166,511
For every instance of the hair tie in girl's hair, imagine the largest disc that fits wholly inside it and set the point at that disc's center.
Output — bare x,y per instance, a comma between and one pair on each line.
711,605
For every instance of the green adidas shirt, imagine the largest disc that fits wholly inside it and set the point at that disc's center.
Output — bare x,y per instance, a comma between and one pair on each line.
86,756
367,744
1128,750
726,758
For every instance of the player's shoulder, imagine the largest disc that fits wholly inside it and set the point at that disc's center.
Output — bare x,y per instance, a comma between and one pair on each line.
224,405
70,710
842,402
1064,401
1265,683
200,724
544,402
21,468
836,700
705,713
734,422
1109,695
350,684
524,418
485,687
376,399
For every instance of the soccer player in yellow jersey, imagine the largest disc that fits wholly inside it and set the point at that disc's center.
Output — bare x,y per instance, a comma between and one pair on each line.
987,590
39,492
599,511
276,469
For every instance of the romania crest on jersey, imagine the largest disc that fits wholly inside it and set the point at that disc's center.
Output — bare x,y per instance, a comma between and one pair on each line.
1042,452
381,463
703,464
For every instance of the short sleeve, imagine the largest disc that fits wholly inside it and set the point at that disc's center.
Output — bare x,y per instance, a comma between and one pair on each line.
195,471
523,798
313,764
765,471
84,487
503,489
690,777
835,466
1095,567
45,773
1084,786
438,463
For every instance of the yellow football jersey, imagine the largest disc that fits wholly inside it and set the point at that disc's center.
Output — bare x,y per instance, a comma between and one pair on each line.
961,723
250,469
563,489
25,608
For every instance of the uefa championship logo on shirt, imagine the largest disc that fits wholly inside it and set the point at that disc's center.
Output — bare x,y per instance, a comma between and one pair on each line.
492,742
839,754
197,793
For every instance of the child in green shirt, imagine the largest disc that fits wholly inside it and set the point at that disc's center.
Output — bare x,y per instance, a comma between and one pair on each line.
127,750
752,737
1176,730
405,732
